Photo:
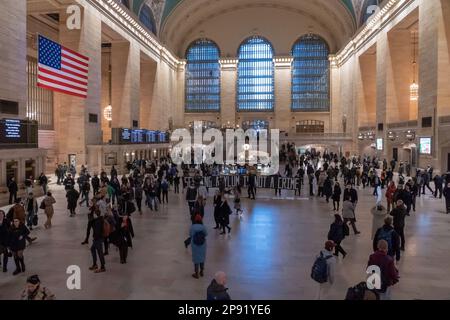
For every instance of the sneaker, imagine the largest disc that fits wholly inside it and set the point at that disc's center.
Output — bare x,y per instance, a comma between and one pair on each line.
84,242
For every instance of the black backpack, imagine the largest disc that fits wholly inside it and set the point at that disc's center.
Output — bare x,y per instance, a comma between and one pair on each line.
358,293
199,238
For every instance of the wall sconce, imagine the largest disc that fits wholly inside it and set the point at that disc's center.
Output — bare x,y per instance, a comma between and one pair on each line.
391,136
361,136
410,135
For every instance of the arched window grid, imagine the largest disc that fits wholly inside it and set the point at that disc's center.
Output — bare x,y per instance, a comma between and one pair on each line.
146,17
202,77
255,84
310,75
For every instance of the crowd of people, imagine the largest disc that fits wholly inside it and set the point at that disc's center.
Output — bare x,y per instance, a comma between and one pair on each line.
111,201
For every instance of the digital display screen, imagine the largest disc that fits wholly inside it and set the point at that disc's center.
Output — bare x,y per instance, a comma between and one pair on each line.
141,136
380,144
425,146
15,133
151,137
137,136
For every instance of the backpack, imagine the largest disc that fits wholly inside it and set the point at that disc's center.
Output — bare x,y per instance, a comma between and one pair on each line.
319,271
199,238
358,293
387,236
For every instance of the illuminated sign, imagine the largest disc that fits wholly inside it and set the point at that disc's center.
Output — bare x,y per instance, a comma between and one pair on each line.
380,144
425,146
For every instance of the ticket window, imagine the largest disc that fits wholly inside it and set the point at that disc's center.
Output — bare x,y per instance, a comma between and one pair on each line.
30,169
12,170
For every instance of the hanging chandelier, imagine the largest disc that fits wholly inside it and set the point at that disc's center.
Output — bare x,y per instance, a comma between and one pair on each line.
414,87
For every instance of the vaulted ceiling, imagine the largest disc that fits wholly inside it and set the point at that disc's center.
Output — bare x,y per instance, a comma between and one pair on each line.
181,21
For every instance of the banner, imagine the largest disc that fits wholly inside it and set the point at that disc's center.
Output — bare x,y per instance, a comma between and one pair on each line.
261,182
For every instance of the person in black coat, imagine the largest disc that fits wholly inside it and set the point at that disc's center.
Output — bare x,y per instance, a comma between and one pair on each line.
17,243
97,243
12,188
336,196
72,196
4,239
224,215
388,233
399,214
350,194
438,182
217,202
95,182
122,236
328,188
408,199
216,290
337,234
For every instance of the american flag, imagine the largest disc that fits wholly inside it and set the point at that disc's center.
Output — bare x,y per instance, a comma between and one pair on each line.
61,69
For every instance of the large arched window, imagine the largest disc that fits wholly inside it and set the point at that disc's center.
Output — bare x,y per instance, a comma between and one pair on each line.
255,87
126,3
202,77
310,75
146,17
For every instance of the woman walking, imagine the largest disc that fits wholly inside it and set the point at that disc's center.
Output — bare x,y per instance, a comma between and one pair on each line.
348,213
198,234
217,202
338,230
122,237
48,209
19,233
224,214
390,195
337,191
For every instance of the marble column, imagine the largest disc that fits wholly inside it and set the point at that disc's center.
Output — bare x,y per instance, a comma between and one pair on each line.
228,91
13,53
73,132
283,84
125,70
148,74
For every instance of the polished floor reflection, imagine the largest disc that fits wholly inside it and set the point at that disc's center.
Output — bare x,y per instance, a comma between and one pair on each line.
268,255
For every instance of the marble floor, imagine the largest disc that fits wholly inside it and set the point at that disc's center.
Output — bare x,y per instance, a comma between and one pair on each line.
268,255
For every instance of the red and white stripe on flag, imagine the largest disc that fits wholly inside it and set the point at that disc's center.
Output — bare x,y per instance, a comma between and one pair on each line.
61,69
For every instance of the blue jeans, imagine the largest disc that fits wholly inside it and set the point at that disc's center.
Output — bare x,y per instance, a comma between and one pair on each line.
30,218
152,200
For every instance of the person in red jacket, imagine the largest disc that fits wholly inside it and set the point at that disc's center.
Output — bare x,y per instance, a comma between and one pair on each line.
390,195
389,273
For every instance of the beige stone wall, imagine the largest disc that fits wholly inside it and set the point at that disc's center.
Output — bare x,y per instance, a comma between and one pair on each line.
73,132
13,51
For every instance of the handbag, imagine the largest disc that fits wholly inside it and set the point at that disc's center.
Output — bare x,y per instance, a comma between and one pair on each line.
42,206
35,220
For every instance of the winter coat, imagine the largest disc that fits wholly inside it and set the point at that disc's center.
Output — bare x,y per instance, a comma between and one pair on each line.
4,233
378,217
336,232
72,197
399,214
35,205
337,193
327,187
17,237
19,212
389,273
217,292
198,251
122,235
348,210
390,193
49,201
395,249
224,213
191,194
351,195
